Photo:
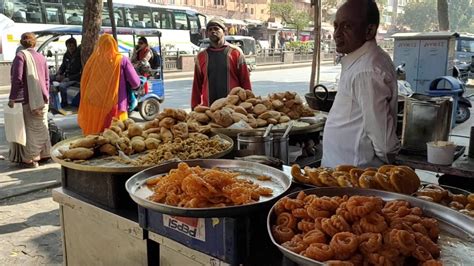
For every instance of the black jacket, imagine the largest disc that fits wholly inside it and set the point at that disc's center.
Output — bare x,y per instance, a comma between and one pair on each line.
71,66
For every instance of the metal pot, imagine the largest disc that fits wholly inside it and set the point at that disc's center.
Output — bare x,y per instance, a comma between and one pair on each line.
320,100
280,147
253,143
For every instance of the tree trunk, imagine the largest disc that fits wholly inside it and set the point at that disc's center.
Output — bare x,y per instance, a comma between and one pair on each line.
443,18
110,6
90,28
394,13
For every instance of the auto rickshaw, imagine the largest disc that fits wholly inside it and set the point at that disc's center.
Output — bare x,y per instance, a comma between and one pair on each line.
246,43
149,96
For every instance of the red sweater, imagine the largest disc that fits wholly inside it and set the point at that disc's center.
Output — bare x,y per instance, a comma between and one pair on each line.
216,72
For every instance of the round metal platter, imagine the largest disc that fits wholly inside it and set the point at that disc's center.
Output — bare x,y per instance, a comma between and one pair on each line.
279,183
108,164
312,125
457,230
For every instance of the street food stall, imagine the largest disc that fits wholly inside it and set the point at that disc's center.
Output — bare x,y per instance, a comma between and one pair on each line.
182,190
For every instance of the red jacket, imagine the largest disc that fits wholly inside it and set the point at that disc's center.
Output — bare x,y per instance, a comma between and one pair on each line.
235,67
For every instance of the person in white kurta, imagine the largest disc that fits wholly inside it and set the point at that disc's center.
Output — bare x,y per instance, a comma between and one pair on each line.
361,126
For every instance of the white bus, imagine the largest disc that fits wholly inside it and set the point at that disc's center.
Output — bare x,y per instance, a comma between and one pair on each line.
180,26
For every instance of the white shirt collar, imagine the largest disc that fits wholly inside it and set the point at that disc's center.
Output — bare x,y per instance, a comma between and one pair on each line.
350,58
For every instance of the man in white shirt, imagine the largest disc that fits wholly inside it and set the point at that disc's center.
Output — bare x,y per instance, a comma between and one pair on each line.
361,126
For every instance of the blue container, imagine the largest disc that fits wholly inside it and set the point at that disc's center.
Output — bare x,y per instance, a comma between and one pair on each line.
234,240
454,90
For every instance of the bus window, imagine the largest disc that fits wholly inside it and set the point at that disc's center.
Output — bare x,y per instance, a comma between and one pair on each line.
181,23
118,14
138,17
24,11
166,20
155,14
194,24
73,11
53,14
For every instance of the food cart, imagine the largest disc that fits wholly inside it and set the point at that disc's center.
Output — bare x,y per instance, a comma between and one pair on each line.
116,210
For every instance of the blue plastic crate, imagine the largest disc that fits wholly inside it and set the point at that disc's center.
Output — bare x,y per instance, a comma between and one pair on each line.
234,240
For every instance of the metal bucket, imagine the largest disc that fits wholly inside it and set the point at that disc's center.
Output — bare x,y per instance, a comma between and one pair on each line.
280,147
253,143
320,100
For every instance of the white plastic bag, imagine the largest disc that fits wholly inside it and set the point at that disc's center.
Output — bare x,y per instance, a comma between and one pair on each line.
14,124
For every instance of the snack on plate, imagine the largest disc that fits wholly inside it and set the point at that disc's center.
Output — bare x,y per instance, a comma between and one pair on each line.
194,147
257,112
195,187
401,179
166,132
460,202
356,230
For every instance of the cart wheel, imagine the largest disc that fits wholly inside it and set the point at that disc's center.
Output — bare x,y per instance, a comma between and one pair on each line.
56,134
149,108
463,113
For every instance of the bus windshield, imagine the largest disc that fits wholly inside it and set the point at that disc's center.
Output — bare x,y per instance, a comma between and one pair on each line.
180,26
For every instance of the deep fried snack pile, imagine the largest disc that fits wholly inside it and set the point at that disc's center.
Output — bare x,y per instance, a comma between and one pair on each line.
169,129
190,148
434,193
256,111
195,187
356,230
401,179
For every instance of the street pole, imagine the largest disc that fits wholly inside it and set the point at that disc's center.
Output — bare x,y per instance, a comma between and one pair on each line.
315,66
110,6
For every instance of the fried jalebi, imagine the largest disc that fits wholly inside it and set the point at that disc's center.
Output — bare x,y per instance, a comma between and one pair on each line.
422,254
403,240
370,243
315,213
300,213
195,187
319,251
373,223
285,219
295,246
282,234
314,236
345,244
360,205
325,203
356,230
306,225
340,223
426,242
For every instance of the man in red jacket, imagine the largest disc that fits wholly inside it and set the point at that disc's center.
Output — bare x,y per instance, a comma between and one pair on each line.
219,68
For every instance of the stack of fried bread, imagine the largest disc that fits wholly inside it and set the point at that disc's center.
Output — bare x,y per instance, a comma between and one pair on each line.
401,179
171,134
460,202
243,105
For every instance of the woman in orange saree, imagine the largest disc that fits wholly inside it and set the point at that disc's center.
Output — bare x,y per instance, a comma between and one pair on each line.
103,87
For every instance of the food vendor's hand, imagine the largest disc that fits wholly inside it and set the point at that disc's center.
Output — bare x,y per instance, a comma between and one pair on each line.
11,103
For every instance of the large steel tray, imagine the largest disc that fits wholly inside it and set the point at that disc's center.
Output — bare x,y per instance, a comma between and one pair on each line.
457,230
280,182
314,124
109,165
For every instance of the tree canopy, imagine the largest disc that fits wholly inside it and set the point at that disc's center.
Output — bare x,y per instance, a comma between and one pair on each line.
290,15
422,16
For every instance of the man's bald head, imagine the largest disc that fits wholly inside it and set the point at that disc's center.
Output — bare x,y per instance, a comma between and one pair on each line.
356,22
